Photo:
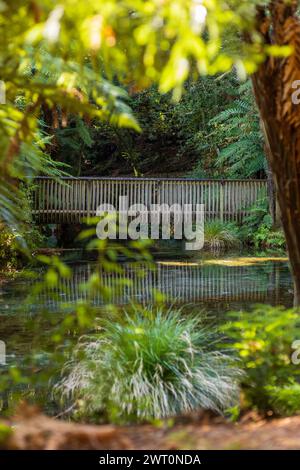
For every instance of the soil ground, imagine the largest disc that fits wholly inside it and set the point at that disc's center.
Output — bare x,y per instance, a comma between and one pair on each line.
33,430
275,434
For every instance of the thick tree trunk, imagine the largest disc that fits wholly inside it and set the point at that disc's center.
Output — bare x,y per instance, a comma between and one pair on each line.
273,90
285,164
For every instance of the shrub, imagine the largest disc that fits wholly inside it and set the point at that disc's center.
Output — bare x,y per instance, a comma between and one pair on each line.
285,400
8,249
263,339
219,235
258,230
266,237
152,365
12,252
258,214
17,241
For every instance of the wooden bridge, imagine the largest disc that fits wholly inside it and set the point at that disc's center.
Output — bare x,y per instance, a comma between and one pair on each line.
74,199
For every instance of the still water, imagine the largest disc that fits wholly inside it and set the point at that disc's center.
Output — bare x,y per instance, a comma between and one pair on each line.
214,284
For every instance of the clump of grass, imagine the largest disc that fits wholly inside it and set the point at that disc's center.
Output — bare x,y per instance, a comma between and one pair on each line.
153,364
220,235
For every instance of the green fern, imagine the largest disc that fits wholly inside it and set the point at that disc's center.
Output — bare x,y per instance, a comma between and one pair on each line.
238,139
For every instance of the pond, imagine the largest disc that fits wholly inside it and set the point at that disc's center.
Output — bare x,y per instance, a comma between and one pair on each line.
214,284
203,284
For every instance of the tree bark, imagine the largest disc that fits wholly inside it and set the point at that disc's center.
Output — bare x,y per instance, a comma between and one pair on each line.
273,90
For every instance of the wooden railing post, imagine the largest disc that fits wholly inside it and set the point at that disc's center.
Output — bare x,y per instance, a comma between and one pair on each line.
88,199
222,201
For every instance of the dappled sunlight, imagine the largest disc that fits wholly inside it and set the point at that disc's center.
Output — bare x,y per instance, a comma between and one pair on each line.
244,261
178,263
238,261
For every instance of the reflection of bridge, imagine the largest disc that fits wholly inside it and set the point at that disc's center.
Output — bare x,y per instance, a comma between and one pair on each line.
76,198
179,282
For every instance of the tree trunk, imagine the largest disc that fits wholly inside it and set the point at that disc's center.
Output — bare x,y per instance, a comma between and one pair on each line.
273,90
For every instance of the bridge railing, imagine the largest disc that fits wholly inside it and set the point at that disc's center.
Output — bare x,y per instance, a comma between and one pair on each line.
73,199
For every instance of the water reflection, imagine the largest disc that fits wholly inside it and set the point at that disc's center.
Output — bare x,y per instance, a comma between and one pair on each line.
213,285
183,282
